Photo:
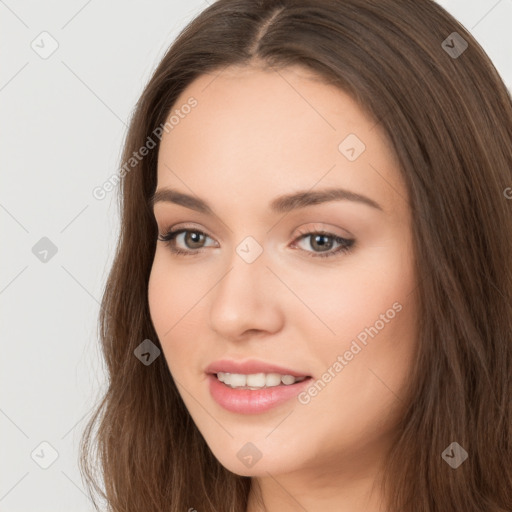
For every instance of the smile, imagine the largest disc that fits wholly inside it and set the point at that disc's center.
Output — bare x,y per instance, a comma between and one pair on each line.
254,393
257,380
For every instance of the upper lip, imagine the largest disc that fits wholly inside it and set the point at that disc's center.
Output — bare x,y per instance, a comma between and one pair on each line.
250,366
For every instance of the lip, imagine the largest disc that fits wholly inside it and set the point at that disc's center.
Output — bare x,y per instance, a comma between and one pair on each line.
250,366
247,401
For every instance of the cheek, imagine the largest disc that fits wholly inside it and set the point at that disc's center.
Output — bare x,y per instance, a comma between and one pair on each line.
371,287
362,371
173,291
173,301
161,297
372,310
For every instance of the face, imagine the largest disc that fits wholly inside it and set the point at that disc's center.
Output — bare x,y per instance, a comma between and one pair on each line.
320,286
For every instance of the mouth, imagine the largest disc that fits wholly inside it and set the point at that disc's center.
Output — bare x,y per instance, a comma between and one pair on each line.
257,381
254,393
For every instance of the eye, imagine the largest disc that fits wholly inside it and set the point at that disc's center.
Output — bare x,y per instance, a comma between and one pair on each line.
324,241
193,239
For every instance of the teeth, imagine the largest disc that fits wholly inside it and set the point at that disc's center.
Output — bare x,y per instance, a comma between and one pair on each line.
272,379
287,379
238,380
257,380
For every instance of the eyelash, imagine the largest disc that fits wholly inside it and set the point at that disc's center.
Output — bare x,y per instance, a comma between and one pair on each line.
346,244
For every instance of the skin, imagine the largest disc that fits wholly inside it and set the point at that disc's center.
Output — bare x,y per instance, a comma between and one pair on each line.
255,135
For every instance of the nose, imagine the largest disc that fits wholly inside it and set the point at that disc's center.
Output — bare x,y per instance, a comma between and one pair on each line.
247,299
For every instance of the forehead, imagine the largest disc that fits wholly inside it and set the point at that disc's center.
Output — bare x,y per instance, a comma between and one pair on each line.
258,133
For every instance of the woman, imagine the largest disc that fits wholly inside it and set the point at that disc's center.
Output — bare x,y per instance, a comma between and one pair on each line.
310,307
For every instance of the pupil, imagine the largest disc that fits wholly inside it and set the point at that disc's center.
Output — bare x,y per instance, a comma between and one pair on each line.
194,236
324,245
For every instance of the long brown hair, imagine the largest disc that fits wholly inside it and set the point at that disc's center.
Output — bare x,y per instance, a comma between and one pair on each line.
448,116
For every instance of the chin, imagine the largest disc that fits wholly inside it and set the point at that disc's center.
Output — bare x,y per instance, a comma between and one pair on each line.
254,460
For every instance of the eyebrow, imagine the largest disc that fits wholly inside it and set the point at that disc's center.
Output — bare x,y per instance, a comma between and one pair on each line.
281,204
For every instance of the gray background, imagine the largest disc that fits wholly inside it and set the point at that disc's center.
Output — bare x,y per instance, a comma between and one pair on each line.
63,122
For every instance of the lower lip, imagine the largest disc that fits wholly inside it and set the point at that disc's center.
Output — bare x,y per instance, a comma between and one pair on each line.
248,401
